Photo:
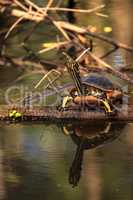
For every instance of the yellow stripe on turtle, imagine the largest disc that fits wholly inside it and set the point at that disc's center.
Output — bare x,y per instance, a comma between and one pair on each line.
65,130
107,106
65,101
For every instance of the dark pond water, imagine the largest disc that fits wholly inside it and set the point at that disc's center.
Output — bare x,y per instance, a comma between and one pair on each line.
40,162
43,161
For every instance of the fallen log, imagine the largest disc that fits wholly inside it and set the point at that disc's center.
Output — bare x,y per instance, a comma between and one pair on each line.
51,114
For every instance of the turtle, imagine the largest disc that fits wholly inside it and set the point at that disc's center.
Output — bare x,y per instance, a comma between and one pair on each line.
95,92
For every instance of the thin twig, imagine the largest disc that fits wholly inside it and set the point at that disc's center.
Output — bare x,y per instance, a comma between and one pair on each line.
20,5
74,10
64,33
13,26
53,46
82,54
30,32
47,7
101,15
26,15
111,41
110,68
109,52
46,76
49,4
58,3
77,29
34,6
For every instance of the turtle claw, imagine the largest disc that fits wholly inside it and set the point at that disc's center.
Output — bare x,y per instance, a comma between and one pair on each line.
112,113
61,109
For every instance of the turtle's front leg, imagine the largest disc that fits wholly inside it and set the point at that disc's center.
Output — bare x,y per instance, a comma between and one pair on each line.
65,101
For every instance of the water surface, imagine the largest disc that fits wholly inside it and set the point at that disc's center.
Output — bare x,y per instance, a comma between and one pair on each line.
35,163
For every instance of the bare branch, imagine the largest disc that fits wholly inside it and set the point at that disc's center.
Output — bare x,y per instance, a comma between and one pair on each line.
77,29
74,10
30,16
13,26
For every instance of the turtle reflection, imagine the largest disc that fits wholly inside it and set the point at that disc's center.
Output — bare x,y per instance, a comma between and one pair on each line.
88,136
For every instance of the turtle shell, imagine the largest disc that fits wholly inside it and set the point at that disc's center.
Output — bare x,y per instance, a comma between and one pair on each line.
100,82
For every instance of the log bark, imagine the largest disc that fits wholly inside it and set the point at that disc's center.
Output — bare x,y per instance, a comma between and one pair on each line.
51,114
